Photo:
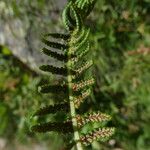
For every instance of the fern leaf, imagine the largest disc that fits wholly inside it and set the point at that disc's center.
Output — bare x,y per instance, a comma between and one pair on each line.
82,84
84,67
77,72
84,52
91,118
52,109
77,18
79,54
81,4
76,38
75,46
67,22
65,127
52,88
58,36
84,40
60,57
70,17
79,99
54,70
85,6
101,134
55,44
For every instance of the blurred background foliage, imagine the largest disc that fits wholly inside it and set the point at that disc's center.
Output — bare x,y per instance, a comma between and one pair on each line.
120,39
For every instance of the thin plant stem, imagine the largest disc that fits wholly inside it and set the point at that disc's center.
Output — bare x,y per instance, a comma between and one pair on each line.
72,108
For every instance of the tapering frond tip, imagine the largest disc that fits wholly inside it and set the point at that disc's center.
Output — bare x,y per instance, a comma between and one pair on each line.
102,134
69,24
85,6
71,17
84,3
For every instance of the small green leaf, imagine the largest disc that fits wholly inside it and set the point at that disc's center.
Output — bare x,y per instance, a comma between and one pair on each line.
64,128
52,109
56,45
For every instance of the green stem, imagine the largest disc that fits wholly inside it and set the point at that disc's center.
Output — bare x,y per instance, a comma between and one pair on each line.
72,110
74,122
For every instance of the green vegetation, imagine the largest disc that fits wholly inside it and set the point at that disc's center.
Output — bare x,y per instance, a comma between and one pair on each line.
120,48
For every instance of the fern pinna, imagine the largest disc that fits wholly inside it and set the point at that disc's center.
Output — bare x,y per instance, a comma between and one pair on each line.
72,51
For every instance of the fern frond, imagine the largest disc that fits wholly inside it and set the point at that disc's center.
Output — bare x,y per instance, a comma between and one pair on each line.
100,134
58,36
79,99
76,37
85,6
56,45
79,71
77,17
91,118
74,45
69,24
81,4
60,57
52,109
84,52
55,70
82,84
65,127
52,88
84,40
84,67
79,55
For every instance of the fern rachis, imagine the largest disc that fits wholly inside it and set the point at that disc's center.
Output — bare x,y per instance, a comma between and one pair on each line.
74,49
